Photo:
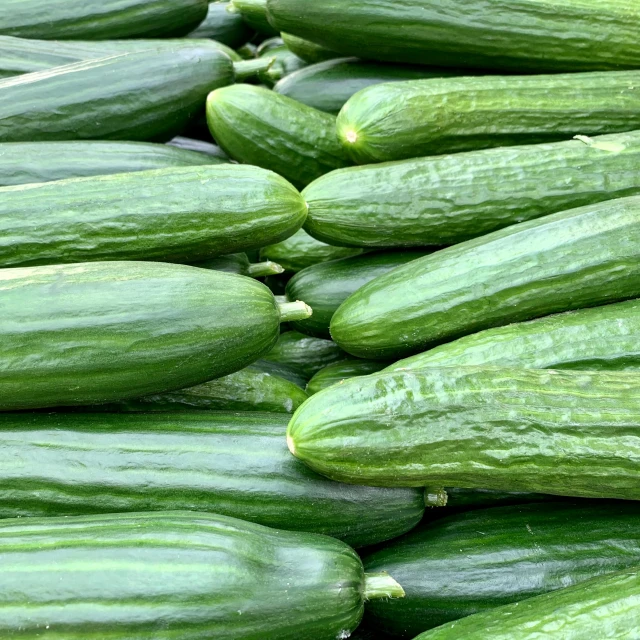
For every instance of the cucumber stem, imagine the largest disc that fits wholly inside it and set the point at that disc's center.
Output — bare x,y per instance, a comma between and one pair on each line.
245,69
297,310
435,497
381,585
266,268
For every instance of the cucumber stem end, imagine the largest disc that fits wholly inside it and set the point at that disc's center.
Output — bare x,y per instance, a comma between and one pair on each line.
381,585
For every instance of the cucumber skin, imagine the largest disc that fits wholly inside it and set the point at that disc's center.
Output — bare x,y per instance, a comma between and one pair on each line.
307,50
254,13
182,214
572,433
223,26
104,331
192,144
342,370
325,286
604,607
162,90
256,126
168,568
465,499
573,259
100,19
237,263
285,62
518,35
479,560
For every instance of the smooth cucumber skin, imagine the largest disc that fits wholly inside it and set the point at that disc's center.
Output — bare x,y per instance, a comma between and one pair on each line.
100,19
288,372
104,331
309,51
572,433
257,126
552,35
150,95
604,607
325,286
579,258
174,576
254,13
201,146
223,26
447,199
339,371
182,214
476,561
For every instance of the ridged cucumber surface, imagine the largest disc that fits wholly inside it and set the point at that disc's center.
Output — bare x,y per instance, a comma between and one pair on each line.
569,260
342,370
573,433
223,26
309,51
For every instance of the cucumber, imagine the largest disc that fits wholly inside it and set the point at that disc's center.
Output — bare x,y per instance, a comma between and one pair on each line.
573,433
288,372
464,499
239,263
100,19
257,126
269,45
339,371
284,63
534,35
178,575
328,85
569,260
223,26
105,331
605,338
479,560
300,251
604,607
310,52
448,115
191,144
325,286
179,214
254,13
163,90
248,51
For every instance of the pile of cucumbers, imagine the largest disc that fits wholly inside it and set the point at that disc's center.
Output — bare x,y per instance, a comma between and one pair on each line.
319,320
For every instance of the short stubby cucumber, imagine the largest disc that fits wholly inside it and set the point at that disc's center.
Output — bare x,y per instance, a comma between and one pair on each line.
181,214
178,575
569,260
104,331
309,51
451,198
572,433
339,371
224,26
239,263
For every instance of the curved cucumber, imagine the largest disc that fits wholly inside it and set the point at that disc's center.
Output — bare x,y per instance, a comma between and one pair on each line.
178,214
339,371
574,433
569,260
309,51
257,126
192,144
178,575
325,286
239,263
98,332
223,26
254,13
450,198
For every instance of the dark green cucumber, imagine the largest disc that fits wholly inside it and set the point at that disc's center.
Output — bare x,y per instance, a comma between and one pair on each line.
573,433
284,63
339,371
178,575
300,251
223,26
149,95
257,126
569,260
100,19
464,499
310,52
536,35
268,45
448,115
604,607
328,85
254,13
239,263
325,286
192,144
606,337
288,372
104,331
181,214
476,561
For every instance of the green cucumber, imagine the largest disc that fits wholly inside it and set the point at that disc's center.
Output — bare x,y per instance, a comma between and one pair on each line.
300,251
178,575
191,144
105,331
573,433
325,286
464,499
569,260
310,52
604,607
239,263
248,51
448,115
288,372
479,560
534,35
339,371
254,13
179,214
284,63
223,26
100,19
235,464
163,89
328,85
268,45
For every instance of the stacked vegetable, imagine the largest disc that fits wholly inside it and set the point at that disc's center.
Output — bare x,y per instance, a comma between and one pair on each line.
283,279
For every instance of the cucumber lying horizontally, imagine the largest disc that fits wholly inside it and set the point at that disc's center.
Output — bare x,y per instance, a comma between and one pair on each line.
479,560
223,26
192,144
573,433
339,371
181,214
569,260
178,575
98,332
239,263
465,499
310,52
254,13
